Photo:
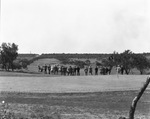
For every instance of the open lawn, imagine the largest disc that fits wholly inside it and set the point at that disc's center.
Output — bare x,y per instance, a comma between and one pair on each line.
72,83
73,97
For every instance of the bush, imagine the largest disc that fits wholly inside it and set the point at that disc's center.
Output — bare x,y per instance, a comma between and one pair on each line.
64,60
16,65
79,63
24,63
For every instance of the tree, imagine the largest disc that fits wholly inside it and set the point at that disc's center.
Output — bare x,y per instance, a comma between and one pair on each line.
107,62
24,63
79,63
127,60
63,60
137,98
115,58
141,62
98,63
88,62
8,54
130,60
17,64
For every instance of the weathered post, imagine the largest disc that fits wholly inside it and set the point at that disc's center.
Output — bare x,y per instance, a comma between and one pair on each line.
136,99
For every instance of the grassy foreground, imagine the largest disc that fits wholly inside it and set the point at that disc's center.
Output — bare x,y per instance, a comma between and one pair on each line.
77,105
100,105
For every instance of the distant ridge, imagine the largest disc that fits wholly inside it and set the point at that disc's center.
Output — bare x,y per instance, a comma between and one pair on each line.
69,55
27,56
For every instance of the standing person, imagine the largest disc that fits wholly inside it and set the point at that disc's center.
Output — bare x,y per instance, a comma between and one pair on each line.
122,69
96,70
75,70
90,70
78,70
86,70
39,68
49,69
42,69
67,70
45,69
64,70
118,69
100,70
106,70
56,69
70,70
59,69
109,70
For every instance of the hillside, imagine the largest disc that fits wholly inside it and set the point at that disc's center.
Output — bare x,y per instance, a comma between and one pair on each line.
27,56
43,59
34,66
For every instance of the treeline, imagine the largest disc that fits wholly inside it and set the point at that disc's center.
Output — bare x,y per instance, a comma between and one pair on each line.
97,56
27,56
9,59
128,60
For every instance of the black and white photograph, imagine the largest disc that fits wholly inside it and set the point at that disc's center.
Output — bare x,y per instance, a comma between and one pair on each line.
74,59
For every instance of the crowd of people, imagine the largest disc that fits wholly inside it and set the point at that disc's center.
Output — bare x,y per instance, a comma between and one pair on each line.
73,70
101,70
58,69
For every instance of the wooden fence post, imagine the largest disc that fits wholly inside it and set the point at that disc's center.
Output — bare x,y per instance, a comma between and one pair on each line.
136,99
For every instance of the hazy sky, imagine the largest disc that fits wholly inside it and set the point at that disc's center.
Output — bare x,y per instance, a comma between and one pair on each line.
76,26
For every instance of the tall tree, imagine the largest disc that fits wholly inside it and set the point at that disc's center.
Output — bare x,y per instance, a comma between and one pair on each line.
115,58
127,60
8,54
141,62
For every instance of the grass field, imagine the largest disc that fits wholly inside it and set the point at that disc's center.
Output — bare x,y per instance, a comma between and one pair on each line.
72,97
100,105
72,83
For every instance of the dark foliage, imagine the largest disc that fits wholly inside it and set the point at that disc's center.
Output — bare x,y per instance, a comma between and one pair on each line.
8,53
130,60
141,62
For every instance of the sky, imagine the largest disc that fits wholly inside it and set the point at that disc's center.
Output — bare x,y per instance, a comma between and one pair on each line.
76,26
